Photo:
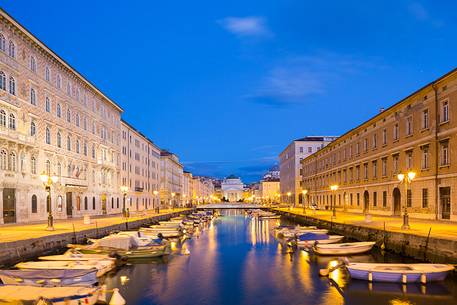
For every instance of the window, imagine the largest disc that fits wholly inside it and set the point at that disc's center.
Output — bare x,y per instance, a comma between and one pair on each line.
375,199
384,199
59,169
409,125
34,204
68,143
444,153
68,88
445,111
47,74
12,49
77,146
32,96
2,80
409,198
77,120
375,169
93,203
48,105
424,198
12,86
32,64
59,139
409,159
425,119
310,149
59,111
384,167
85,123
301,149
395,163
58,81
357,172
3,160
358,199
357,149
396,131
365,171
2,43
365,145
425,157
33,165
48,136
12,122
32,129
68,116
12,164
85,148
47,166
93,151
2,118
375,140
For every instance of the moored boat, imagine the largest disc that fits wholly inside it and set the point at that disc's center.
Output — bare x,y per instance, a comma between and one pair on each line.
102,266
309,239
50,278
343,248
74,255
399,273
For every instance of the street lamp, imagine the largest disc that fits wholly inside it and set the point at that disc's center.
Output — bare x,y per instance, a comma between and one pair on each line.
48,181
173,200
406,179
304,192
288,198
124,191
333,188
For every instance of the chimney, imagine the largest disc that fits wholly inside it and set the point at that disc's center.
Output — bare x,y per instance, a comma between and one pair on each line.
381,109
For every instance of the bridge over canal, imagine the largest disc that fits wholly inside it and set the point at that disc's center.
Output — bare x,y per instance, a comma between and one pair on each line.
229,206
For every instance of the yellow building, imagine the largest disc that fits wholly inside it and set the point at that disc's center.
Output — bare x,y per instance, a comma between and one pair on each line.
269,191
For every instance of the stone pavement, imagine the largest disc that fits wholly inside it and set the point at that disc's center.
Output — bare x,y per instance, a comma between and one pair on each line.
16,232
420,227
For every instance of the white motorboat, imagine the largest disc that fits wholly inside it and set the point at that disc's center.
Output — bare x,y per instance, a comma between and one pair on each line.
74,255
332,239
66,295
344,248
293,233
102,266
399,273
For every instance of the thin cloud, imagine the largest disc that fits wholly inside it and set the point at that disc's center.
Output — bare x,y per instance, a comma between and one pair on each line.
420,13
252,26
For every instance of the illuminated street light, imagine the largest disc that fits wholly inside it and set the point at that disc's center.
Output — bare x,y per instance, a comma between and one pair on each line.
304,192
48,181
124,190
406,179
156,194
333,188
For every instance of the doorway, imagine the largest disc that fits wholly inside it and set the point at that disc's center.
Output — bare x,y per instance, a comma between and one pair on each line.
445,202
366,202
69,198
397,201
9,205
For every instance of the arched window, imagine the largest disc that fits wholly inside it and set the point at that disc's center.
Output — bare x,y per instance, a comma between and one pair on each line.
13,162
93,203
3,160
78,203
48,136
58,81
112,202
77,119
86,205
34,204
85,123
2,80
59,111
33,165
2,43
77,146
69,174
85,148
2,118
117,202
32,96
32,128
78,94
47,167
12,86
47,74
12,122
93,151
68,143
68,115
59,139
12,49
48,104
59,169
32,63
68,88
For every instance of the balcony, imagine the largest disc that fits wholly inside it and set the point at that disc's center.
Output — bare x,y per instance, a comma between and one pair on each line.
139,189
73,182
106,164
16,136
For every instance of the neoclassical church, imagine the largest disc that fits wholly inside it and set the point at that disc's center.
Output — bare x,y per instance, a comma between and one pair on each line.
232,188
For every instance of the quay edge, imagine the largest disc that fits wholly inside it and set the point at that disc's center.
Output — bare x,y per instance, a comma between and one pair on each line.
432,249
28,249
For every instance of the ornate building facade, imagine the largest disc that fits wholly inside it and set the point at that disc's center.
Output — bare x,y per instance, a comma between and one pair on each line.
418,135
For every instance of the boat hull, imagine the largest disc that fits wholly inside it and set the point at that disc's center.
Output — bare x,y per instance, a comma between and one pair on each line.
343,249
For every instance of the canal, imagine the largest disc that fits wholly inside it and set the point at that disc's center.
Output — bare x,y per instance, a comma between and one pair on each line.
237,260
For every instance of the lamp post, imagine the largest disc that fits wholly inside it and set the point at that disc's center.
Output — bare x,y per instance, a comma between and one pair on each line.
124,191
173,200
156,193
333,188
406,179
304,192
48,181
288,198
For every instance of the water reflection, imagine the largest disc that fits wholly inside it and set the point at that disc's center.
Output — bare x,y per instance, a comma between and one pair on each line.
237,260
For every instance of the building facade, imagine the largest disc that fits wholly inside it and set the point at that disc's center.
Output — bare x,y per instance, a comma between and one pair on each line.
417,134
55,122
232,188
171,179
270,190
290,167
140,169
188,190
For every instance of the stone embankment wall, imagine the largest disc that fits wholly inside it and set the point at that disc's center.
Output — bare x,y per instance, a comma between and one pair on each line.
27,249
425,248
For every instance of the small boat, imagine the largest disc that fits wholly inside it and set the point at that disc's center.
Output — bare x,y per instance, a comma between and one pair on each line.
102,266
399,273
294,233
66,295
309,239
74,255
344,248
49,278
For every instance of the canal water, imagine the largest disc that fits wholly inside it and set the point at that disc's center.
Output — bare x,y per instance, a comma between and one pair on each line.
237,260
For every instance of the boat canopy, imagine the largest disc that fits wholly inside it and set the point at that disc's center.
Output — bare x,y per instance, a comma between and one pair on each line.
312,236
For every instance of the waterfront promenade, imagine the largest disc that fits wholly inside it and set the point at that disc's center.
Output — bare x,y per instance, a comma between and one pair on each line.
420,227
17,232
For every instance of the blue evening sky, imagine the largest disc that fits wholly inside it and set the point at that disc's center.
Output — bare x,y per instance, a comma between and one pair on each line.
228,84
